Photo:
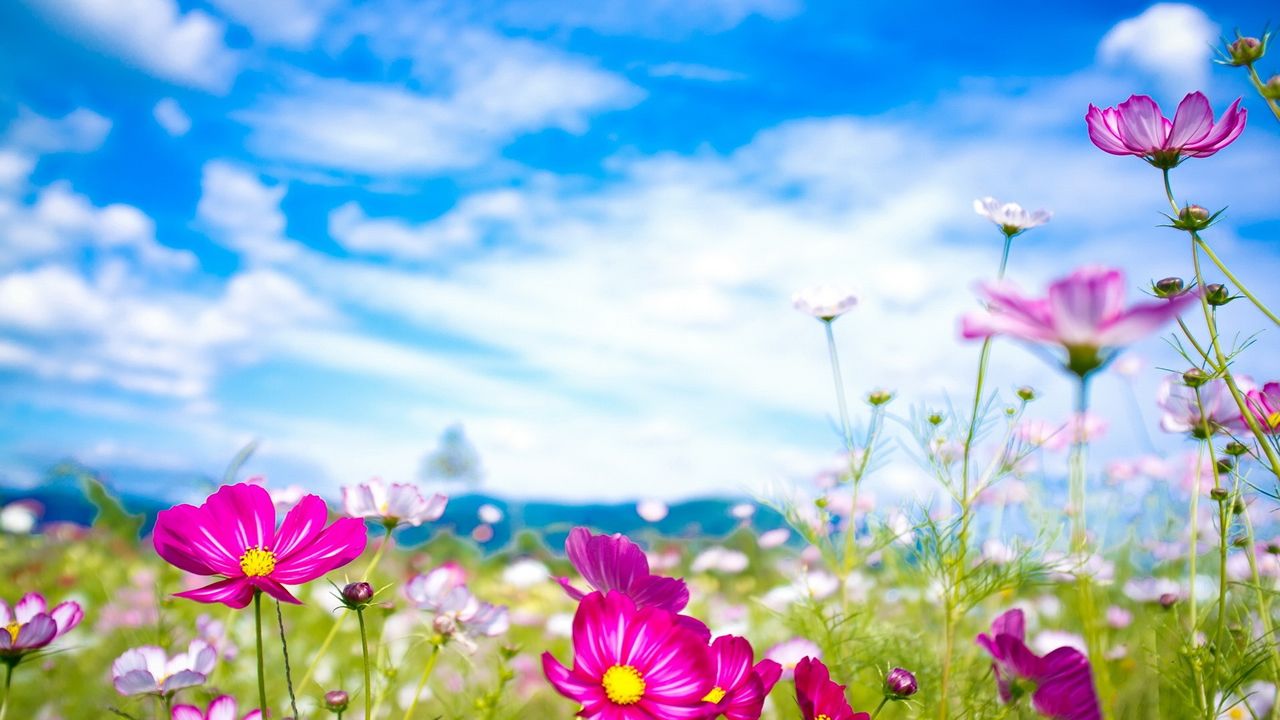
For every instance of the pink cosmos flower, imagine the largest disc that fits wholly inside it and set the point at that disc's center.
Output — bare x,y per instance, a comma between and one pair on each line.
401,503
30,626
612,562
234,534
789,653
1184,413
147,670
825,302
820,697
1265,406
222,708
1083,312
1060,683
1137,127
740,688
633,664
1011,218
458,614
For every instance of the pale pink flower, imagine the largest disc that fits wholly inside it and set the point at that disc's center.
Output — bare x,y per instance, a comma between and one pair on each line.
147,670
789,653
825,302
1084,313
401,503
1190,410
1011,218
652,510
1137,127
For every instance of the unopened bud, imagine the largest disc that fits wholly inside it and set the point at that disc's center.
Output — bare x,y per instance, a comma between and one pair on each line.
1240,541
1194,378
1235,449
900,684
1168,600
1217,295
336,700
1010,410
1273,548
822,502
1271,89
1027,394
1219,494
445,625
1225,464
935,419
1238,507
879,397
1245,51
357,594
1168,287
1193,212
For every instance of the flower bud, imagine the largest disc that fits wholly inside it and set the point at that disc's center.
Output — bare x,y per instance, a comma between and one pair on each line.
1238,507
336,700
1193,218
1240,541
1219,494
879,397
1217,295
1168,600
357,594
1235,449
445,625
1225,464
935,419
1245,51
1271,90
1027,394
1273,548
1168,287
1194,378
900,684
822,502
1193,212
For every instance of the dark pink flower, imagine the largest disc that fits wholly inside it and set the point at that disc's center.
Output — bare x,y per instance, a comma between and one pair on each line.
222,708
234,534
740,688
1265,406
1137,127
1084,312
1060,684
30,626
819,696
613,562
633,664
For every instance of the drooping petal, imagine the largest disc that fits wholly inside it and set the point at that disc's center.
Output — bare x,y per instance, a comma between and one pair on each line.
606,562
234,592
300,527
335,546
135,682
1222,134
1103,131
670,594
40,631
31,605
573,592
1065,690
182,679
67,615
274,589
570,684
1192,122
770,672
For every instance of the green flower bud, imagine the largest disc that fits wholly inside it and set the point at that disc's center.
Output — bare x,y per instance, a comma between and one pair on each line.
1271,89
879,397
1225,464
1168,287
1194,378
1217,295
1219,494
1245,51
935,419
1026,393
1235,449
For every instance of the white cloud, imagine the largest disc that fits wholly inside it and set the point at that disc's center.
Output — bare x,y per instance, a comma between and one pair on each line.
500,88
461,228
690,71
1169,40
290,23
81,130
238,209
169,114
153,35
660,18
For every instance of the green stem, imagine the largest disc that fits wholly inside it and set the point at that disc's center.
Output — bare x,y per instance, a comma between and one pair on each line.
431,663
368,685
288,674
1078,484
1264,604
835,373
1234,280
879,708
8,681
1257,83
342,614
262,677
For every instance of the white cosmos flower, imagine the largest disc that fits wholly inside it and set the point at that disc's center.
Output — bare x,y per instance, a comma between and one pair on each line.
401,503
1011,218
825,302
147,670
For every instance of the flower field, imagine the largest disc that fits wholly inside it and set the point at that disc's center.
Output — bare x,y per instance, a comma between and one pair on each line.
1141,586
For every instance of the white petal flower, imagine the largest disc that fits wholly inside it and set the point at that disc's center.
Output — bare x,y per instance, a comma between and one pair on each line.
825,302
401,503
1011,218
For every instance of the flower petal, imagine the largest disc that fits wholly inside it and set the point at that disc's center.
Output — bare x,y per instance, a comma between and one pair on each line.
606,562
1192,122
182,679
187,712
1222,135
1103,131
301,526
67,615
274,589
1141,125
37,633
246,514
570,684
667,593
31,605
222,708
135,682
1065,690
233,592
188,538
335,546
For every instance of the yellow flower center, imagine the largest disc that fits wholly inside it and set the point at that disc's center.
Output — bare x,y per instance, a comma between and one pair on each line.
715,696
13,628
823,717
623,684
257,562
1238,712
1273,420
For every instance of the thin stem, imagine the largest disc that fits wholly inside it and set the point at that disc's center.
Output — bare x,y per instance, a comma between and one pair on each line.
364,648
1224,527
1264,605
342,614
1004,257
879,708
262,678
835,373
1078,492
1257,83
8,681
1234,280
288,676
431,663
1168,192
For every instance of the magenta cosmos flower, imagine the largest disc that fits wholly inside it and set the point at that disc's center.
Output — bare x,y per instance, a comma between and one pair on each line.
1265,406
401,503
234,534
633,664
1137,127
30,626
1083,312
819,697
1185,412
740,687
222,708
1060,683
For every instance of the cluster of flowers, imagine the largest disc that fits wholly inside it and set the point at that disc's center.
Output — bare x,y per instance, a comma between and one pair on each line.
637,658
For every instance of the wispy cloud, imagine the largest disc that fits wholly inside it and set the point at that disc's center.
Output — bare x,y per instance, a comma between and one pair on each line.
1171,41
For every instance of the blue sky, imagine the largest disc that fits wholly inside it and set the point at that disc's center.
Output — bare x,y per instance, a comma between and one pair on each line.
574,228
